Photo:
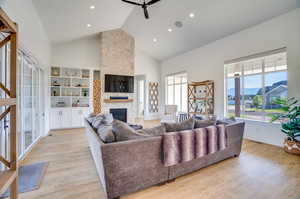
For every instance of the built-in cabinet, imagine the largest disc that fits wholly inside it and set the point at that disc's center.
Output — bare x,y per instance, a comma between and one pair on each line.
61,118
70,91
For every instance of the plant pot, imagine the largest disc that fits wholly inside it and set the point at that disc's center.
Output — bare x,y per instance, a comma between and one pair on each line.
291,146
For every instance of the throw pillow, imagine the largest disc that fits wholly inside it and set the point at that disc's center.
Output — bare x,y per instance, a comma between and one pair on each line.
185,125
107,119
155,131
106,134
97,121
204,123
90,118
124,132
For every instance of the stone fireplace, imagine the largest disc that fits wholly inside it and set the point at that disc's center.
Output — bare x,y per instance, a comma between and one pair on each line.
117,58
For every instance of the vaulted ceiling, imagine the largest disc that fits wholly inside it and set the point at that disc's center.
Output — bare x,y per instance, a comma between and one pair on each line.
213,19
66,20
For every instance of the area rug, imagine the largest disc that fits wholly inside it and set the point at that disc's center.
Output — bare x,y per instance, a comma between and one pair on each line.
30,177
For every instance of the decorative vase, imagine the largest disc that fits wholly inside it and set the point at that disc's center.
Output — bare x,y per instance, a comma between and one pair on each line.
292,147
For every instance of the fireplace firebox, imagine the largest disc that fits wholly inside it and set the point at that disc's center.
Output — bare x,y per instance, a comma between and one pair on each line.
119,114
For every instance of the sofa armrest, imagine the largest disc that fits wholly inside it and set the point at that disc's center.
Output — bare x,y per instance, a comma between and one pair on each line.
133,165
235,132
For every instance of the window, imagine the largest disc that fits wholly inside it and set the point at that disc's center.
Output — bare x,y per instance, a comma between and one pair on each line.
176,91
253,83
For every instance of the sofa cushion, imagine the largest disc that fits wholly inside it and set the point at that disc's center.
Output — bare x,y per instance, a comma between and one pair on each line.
106,134
123,132
181,126
204,123
155,131
100,119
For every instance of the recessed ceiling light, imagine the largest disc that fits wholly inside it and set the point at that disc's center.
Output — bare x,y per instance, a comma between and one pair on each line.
154,40
92,7
170,29
88,25
192,15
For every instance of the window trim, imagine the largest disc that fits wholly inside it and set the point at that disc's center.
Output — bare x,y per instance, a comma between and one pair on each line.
263,74
181,84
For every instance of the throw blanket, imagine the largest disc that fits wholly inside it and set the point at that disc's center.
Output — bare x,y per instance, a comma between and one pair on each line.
184,146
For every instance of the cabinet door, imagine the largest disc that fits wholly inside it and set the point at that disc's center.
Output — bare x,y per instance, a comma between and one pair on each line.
66,118
56,119
78,116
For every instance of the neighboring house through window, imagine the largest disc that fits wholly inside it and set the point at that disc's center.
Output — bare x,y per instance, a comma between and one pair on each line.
176,91
254,83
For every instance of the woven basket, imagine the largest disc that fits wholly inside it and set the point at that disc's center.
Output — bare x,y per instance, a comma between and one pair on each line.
292,147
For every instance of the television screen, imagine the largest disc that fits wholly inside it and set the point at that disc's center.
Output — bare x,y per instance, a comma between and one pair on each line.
119,84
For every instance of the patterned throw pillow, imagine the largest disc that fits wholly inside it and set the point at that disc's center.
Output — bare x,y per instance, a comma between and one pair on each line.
97,121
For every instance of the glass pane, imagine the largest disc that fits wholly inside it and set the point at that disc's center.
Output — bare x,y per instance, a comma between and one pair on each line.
276,62
170,80
184,98
275,87
233,69
253,97
141,97
27,113
35,100
170,96
178,96
230,97
177,79
253,67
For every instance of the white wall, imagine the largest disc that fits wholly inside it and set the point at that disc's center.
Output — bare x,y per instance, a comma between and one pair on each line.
32,35
207,63
150,67
81,53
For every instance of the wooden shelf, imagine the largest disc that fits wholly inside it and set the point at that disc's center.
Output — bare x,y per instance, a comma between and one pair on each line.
8,101
6,178
118,100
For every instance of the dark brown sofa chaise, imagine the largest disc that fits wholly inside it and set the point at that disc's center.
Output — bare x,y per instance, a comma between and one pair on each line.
129,166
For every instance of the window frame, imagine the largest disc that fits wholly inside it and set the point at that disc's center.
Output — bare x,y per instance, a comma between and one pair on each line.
262,57
182,83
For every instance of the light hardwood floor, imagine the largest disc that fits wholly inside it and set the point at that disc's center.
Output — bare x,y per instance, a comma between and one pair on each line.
261,172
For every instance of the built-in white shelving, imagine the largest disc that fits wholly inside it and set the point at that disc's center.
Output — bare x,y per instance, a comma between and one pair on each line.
70,91
70,87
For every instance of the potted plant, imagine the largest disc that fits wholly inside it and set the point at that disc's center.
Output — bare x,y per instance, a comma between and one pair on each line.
290,123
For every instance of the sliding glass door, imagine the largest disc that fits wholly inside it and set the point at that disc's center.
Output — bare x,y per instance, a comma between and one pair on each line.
30,106
32,112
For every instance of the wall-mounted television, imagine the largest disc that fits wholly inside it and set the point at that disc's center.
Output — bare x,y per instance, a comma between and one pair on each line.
119,84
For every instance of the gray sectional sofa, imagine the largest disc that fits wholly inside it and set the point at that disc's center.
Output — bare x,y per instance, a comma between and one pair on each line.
129,166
